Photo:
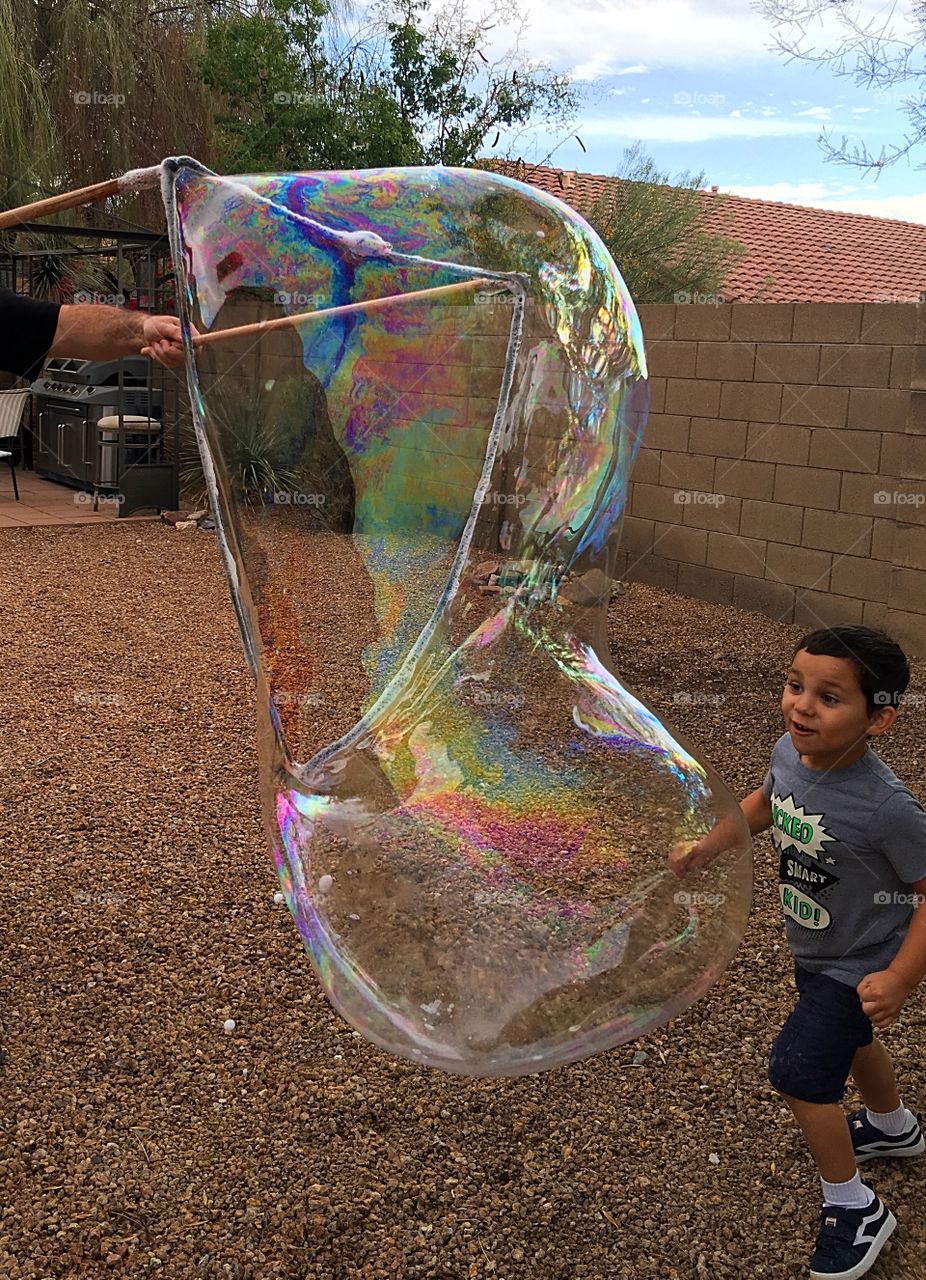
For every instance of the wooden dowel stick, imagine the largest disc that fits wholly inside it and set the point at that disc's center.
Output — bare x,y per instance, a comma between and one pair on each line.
375,304
54,204
136,178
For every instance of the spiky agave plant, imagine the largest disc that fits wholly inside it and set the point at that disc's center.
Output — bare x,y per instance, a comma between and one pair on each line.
253,444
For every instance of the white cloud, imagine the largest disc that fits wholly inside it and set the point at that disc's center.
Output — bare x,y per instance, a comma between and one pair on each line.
638,69
594,68
690,128
792,192
818,113
847,199
692,35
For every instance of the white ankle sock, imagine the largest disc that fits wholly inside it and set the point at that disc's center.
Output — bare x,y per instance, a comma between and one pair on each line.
847,1195
893,1123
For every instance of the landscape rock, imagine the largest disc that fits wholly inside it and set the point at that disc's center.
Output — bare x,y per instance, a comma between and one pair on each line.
138,1140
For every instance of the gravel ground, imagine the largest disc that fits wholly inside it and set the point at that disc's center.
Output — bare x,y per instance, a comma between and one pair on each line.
137,1138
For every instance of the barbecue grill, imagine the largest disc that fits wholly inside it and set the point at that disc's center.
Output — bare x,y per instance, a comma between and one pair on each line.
71,398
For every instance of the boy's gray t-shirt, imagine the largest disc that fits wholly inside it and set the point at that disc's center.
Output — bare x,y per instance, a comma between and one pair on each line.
851,842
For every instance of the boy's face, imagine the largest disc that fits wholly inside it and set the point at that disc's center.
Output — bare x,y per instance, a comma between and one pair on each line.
826,713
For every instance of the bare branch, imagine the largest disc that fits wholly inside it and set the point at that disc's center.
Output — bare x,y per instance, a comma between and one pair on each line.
876,51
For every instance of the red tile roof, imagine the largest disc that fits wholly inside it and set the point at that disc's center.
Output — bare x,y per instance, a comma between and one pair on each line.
809,255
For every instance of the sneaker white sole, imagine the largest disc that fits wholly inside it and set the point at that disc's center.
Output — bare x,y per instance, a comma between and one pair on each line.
870,1258
887,1151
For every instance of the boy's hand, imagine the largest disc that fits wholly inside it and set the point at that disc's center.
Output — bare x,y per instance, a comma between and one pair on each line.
882,995
687,855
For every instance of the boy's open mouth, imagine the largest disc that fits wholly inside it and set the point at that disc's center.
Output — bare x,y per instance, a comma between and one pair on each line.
801,729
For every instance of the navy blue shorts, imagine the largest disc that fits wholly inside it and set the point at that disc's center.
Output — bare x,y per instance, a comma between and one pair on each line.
812,1057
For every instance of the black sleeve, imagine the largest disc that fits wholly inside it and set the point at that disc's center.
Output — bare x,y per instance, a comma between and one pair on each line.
27,330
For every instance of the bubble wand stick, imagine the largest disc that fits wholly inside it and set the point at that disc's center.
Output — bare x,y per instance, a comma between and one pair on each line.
326,313
133,180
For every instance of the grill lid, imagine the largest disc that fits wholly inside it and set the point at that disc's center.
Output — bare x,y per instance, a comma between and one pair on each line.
97,373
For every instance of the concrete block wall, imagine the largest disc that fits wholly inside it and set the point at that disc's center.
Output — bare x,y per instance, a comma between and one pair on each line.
434,396
783,468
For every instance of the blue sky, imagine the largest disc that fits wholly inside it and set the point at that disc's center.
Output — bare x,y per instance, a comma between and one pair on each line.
699,83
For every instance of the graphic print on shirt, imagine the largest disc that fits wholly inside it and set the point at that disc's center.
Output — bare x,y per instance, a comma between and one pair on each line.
800,839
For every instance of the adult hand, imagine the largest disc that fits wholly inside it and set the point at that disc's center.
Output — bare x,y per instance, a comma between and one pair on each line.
882,995
163,340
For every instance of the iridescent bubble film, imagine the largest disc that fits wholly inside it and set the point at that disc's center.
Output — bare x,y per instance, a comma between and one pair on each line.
419,502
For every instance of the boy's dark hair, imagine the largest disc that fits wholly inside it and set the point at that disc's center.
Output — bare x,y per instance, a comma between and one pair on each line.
880,663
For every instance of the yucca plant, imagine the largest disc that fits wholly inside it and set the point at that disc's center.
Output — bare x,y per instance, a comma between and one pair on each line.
253,449
57,275
271,439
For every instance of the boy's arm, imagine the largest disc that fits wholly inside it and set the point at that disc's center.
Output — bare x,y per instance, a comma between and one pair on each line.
883,993
756,808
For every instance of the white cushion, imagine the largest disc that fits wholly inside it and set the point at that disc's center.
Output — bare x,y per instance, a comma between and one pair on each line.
111,423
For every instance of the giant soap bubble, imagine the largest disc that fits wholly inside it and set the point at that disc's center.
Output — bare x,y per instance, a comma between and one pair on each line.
418,503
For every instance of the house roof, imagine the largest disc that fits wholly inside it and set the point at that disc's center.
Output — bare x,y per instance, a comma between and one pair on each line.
794,253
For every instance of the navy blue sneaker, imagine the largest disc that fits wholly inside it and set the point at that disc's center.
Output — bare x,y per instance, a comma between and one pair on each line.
871,1143
849,1241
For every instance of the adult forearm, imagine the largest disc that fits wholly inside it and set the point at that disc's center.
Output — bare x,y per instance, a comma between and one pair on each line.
90,331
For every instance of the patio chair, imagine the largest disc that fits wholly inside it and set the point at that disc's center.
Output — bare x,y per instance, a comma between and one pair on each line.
12,404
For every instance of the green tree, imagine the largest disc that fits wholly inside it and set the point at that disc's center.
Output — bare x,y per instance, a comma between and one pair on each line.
285,104
413,88
664,236
451,95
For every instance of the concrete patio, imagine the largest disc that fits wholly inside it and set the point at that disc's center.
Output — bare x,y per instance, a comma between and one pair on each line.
43,502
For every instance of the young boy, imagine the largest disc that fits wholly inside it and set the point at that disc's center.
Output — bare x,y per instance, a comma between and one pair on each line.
852,881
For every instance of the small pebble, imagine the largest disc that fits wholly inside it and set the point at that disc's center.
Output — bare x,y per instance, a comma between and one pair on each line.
279,898
324,884
229,1025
